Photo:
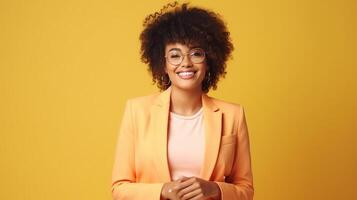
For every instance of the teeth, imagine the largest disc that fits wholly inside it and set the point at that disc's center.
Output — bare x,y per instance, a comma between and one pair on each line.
186,73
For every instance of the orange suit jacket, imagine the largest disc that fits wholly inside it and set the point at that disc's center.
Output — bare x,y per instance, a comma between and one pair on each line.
141,165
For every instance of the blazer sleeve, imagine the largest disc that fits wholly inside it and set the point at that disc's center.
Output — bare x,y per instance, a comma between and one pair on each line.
124,184
239,185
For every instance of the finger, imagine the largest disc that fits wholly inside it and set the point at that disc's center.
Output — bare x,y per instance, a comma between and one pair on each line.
185,183
191,194
172,194
198,197
182,179
188,189
176,184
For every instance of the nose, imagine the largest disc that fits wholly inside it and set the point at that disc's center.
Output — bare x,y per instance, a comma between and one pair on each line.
186,62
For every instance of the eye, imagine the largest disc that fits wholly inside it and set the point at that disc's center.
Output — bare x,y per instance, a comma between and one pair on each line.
197,53
174,54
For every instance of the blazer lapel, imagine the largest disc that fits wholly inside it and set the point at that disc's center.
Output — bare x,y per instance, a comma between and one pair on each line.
159,128
212,118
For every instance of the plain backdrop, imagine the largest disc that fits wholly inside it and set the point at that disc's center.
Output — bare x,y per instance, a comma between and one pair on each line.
68,66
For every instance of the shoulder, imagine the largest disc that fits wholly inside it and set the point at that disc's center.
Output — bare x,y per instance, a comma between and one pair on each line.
227,106
233,113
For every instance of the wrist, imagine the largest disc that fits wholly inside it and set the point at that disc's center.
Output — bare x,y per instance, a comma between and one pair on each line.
217,195
163,195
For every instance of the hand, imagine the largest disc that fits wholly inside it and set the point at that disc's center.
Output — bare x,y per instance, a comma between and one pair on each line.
194,188
169,189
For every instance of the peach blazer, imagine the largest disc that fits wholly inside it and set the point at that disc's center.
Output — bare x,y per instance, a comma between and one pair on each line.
141,164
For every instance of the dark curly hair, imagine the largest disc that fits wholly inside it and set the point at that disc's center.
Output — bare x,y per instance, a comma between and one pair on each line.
189,26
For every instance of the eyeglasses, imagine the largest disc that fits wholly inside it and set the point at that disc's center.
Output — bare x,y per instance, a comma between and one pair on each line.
175,56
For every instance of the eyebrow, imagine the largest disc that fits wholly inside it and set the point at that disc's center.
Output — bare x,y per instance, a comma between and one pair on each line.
177,49
195,47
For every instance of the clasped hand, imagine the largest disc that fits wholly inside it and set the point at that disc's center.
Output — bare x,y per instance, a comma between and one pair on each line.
190,188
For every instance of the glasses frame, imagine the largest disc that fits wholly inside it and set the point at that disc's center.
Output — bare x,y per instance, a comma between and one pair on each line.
185,54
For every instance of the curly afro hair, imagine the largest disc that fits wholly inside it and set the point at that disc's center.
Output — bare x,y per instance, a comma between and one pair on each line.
189,26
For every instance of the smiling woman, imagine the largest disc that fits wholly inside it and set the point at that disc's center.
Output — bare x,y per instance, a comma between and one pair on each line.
181,143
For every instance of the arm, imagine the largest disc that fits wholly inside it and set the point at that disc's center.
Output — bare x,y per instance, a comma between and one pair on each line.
239,185
124,184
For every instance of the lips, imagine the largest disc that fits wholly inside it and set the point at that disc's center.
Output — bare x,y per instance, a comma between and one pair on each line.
186,74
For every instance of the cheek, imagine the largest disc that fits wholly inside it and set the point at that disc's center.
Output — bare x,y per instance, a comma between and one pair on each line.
170,69
204,70
170,72
167,69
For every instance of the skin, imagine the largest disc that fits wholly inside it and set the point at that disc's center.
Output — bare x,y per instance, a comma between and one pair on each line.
186,100
185,94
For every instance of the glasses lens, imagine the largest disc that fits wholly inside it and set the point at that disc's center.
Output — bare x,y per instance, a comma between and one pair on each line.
197,55
174,57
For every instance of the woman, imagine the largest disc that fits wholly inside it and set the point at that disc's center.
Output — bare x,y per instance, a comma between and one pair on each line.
181,143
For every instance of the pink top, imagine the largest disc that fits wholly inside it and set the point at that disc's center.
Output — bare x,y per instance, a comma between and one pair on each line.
186,145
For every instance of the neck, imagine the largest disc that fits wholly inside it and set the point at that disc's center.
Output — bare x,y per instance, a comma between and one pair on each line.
185,102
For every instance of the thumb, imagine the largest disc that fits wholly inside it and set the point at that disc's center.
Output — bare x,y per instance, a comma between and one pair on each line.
182,178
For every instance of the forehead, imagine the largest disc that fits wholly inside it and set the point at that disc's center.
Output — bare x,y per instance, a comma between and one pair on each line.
180,46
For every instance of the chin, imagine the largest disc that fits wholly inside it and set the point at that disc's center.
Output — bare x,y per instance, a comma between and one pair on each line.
188,87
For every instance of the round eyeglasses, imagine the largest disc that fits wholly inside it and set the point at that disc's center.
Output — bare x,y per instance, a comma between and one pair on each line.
175,56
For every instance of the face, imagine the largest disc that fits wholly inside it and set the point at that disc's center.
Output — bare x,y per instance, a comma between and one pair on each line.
186,66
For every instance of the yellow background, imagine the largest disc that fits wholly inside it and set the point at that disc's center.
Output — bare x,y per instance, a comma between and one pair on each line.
67,68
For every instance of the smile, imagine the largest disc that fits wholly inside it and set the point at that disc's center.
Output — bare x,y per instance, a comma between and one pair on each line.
186,75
